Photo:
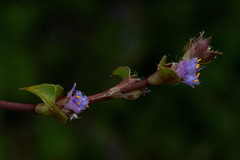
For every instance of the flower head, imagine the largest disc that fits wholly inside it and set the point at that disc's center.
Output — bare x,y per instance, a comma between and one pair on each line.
78,102
187,71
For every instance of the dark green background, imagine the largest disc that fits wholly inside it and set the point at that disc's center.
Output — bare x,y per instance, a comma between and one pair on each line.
82,41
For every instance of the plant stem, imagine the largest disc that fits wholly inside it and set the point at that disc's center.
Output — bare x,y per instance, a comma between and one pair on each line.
135,86
103,96
12,106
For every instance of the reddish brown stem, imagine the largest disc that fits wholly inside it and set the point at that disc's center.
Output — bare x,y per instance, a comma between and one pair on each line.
135,86
12,106
99,97
103,96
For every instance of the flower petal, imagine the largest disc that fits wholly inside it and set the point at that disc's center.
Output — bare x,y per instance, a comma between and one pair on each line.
70,105
72,90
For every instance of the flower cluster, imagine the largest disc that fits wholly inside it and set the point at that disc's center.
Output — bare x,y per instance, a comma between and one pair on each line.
197,52
187,71
78,102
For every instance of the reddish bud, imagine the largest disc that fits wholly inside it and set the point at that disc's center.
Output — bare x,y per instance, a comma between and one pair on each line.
200,48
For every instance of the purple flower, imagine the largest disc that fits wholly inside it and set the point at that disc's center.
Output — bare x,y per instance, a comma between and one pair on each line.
187,71
78,102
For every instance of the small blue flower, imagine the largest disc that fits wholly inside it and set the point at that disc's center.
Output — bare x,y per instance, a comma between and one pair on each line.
187,71
78,102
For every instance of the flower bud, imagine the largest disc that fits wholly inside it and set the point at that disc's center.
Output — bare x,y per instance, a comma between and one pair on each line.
200,48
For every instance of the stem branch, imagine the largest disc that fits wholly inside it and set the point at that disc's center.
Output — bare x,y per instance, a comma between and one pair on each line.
103,96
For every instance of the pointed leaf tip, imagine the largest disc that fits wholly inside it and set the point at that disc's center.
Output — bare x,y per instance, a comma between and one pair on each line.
162,62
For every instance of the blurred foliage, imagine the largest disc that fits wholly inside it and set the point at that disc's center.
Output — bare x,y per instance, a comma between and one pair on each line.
63,42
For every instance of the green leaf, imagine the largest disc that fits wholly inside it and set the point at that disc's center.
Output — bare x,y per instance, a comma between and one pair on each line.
49,93
123,72
164,76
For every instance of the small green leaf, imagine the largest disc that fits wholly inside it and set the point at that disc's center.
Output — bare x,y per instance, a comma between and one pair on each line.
49,93
123,72
164,76
162,62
